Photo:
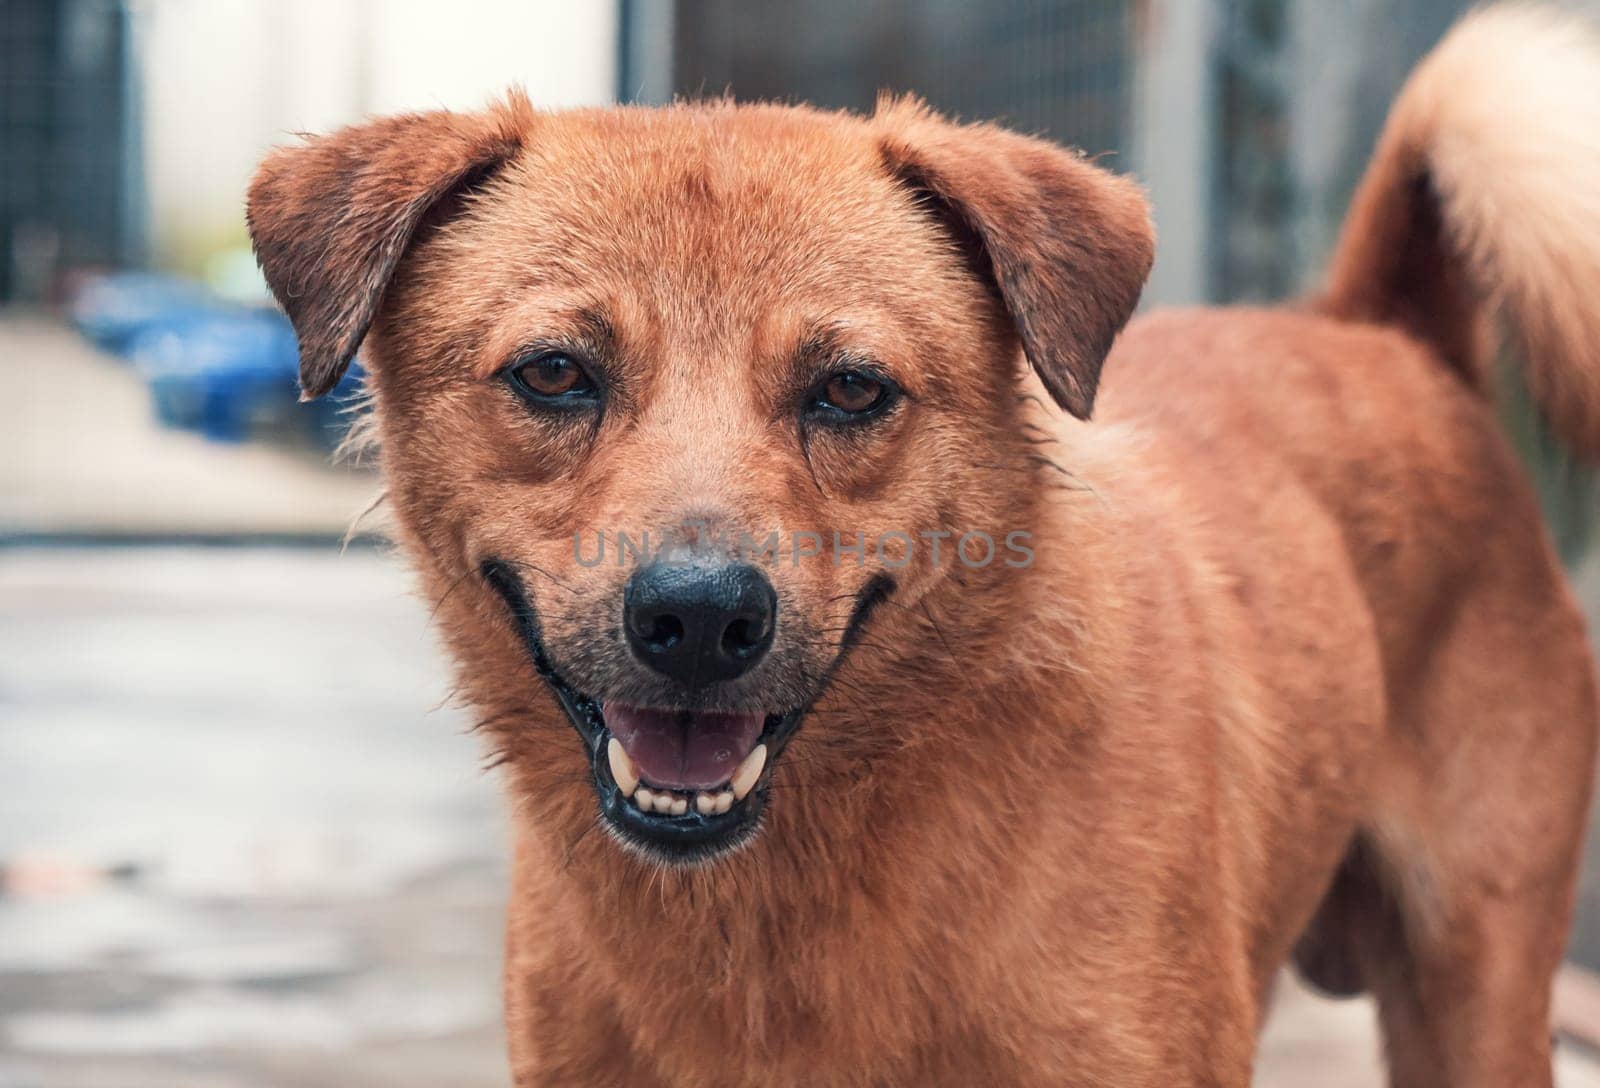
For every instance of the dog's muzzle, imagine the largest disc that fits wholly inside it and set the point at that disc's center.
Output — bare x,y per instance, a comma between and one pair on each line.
682,785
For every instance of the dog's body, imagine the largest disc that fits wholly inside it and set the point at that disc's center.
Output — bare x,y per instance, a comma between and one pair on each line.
1294,670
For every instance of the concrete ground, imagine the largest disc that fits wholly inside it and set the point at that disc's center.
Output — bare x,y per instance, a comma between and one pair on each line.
243,842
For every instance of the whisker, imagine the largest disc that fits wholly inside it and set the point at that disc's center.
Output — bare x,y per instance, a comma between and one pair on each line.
445,596
523,564
568,853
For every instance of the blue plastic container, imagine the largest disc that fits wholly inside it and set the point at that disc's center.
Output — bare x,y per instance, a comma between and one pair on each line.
222,373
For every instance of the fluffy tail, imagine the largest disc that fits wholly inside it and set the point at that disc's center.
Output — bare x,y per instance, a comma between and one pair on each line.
1483,200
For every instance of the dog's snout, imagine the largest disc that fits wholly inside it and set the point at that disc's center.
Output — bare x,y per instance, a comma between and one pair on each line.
699,623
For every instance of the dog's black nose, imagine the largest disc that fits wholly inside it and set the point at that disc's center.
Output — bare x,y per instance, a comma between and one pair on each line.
699,623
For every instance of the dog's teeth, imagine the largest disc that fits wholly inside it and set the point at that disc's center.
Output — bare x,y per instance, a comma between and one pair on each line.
744,779
669,803
622,768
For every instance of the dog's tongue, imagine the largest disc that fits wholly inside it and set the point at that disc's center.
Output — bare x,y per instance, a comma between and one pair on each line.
680,750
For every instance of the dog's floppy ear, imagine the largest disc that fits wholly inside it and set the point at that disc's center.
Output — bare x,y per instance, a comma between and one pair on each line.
1066,244
331,218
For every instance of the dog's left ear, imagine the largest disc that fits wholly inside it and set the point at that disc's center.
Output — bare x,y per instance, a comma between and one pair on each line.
331,218
1066,244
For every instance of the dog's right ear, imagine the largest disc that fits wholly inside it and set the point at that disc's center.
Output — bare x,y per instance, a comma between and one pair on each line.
331,218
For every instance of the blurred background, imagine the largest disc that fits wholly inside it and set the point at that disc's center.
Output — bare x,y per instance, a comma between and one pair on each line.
244,840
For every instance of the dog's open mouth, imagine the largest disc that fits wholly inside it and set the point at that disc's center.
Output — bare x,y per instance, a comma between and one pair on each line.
686,782
671,761
683,785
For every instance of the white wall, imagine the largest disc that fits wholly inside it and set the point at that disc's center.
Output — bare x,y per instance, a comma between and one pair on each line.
1173,141
223,80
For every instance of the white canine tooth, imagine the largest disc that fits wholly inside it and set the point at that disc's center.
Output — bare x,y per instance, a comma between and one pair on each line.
724,802
744,779
645,799
704,803
622,768
680,805
663,802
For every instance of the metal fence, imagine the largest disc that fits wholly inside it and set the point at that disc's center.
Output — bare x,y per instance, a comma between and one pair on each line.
1061,68
69,163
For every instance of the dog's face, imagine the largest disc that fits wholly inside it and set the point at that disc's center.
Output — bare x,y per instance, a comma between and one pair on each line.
685,395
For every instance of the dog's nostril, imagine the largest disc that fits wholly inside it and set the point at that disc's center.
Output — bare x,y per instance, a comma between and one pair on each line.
743,637
665,632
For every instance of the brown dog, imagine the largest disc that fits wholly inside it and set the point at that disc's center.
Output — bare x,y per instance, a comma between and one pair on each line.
1273,651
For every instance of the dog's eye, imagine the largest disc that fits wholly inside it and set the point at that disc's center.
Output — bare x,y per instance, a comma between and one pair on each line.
551,377
852,394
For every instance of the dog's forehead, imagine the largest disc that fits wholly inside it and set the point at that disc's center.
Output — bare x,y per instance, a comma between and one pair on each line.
735,166
715,202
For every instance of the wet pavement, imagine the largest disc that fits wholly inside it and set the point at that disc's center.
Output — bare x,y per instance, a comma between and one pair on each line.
239,848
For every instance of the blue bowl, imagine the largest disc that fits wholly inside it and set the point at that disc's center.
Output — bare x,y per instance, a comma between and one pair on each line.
112,311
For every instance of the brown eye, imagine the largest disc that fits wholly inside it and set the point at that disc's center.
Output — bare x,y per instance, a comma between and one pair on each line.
551,378
550,375
852,393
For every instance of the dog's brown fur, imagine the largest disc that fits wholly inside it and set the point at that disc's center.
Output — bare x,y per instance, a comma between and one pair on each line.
1295,668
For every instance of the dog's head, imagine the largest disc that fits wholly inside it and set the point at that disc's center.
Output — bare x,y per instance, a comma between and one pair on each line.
671,401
